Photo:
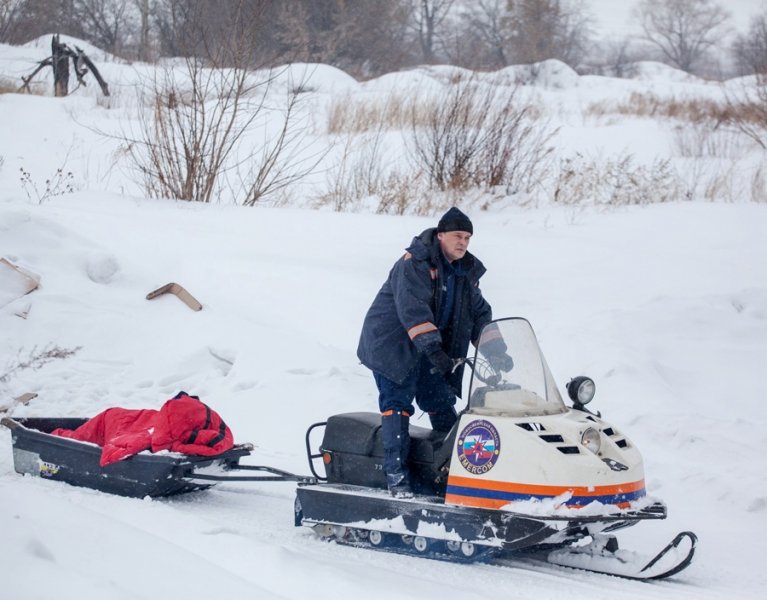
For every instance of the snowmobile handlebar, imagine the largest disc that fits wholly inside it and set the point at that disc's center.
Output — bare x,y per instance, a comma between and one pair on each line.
483,370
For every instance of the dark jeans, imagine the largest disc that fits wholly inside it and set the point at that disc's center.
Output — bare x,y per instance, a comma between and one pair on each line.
431,391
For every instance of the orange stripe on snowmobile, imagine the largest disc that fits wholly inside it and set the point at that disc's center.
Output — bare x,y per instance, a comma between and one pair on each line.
417,330
546,490
495,494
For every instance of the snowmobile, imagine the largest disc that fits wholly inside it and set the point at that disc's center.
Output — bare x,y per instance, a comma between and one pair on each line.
520,476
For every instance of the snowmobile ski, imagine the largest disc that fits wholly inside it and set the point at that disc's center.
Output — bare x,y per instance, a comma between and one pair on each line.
603,556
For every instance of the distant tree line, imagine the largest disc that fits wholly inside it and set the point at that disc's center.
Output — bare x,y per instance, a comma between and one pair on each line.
370,37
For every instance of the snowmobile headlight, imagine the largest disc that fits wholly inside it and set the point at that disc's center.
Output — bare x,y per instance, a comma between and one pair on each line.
592,440
581,390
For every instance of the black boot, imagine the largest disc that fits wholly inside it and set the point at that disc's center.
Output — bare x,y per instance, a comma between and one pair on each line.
396,442
443,419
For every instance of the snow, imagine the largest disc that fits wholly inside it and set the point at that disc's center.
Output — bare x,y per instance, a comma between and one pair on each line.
665,306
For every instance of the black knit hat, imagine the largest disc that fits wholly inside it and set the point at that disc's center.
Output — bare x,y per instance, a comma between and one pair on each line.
455,220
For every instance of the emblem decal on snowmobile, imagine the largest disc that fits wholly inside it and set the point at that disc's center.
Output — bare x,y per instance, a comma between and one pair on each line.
614,464
479,446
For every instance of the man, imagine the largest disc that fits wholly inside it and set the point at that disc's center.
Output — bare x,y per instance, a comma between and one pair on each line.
421,321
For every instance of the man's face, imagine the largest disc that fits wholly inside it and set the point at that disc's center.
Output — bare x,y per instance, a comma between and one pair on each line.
454,244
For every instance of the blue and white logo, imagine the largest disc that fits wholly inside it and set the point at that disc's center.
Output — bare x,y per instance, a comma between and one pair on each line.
479,446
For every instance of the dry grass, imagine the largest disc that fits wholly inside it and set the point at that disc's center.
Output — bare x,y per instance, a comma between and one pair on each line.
359,116
8,87
36,359
651,106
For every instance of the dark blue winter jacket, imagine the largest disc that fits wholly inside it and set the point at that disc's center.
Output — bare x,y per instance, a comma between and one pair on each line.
400,325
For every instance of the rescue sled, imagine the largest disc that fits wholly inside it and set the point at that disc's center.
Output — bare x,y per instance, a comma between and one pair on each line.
519,476
38,453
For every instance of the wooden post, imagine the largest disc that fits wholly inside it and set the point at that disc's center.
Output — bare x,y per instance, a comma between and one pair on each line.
60,58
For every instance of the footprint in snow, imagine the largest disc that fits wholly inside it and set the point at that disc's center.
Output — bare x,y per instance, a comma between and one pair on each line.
38,549
300,371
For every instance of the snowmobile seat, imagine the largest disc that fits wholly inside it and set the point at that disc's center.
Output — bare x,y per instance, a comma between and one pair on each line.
353,449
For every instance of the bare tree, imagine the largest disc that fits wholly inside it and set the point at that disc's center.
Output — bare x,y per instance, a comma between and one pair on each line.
36,18
10,13
107,22
542,29
144,51
750,49
428,16
363,37
682,30
485,22
613,58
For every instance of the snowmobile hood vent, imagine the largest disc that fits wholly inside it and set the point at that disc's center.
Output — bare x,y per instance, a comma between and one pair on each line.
531,426
552,438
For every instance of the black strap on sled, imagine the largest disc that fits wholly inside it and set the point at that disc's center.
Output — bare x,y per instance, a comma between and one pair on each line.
221,429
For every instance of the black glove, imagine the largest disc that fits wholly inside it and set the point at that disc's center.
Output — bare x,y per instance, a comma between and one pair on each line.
443,364
501,362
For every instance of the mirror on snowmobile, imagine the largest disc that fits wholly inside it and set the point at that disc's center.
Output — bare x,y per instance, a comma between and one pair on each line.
581,390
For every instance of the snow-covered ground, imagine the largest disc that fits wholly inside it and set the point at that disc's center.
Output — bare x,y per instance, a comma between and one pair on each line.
664,305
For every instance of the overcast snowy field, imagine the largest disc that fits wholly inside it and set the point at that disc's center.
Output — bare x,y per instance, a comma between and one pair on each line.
665,306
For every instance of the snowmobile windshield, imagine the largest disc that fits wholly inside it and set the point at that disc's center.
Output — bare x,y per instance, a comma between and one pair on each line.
510,375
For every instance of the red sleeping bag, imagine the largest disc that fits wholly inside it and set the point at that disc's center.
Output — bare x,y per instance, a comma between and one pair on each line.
183,424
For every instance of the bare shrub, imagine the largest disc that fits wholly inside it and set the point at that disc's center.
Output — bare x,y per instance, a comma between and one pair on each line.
213,127
356,175
194,135
758,186
60,183
361,176
614,182
720,185
700,140
403,193
479,136
36,359
748,110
